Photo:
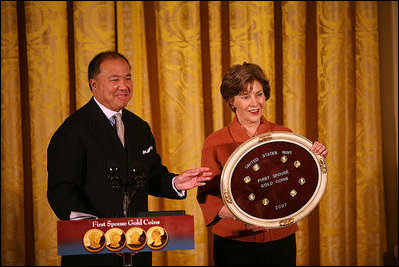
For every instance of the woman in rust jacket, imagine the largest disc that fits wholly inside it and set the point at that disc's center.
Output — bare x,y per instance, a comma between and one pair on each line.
245,88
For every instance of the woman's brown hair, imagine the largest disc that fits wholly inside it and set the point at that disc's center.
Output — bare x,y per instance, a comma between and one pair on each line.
237,78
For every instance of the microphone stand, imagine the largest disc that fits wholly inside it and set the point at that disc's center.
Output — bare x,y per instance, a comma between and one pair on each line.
135,182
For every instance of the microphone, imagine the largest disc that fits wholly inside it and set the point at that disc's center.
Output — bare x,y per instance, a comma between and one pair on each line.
136,178
113,175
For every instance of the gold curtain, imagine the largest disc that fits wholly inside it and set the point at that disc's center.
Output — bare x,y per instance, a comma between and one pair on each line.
323,63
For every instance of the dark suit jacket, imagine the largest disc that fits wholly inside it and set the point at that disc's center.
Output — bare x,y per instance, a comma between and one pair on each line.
79,156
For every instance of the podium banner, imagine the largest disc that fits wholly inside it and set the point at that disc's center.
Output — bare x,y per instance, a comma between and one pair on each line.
120,235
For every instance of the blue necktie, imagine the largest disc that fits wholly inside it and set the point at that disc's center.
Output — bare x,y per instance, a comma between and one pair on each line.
112,121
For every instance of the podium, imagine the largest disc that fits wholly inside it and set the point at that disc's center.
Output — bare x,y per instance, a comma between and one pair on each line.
151,232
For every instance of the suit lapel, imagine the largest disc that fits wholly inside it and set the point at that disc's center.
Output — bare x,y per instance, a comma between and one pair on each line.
132,138
102,131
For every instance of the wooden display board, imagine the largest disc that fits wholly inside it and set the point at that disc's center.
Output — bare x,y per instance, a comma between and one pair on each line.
273,180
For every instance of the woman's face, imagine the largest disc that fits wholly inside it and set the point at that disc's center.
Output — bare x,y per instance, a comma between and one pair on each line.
249,103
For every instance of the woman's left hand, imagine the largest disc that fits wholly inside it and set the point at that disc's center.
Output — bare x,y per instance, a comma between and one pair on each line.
319,149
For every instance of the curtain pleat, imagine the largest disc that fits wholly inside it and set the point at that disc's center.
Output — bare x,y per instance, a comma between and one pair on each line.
371,239
46,37
252,40
180,80
215,51
294,91
94,27
322,59
337,129
12,188
132,44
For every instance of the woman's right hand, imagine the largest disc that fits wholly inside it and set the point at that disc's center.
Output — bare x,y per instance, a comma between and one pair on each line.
225,213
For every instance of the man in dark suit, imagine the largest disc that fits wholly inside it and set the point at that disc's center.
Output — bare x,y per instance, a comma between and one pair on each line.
86,147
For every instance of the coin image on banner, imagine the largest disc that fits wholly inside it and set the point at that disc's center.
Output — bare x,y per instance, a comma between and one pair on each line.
94,240
136,238
273,180
157,237
115,239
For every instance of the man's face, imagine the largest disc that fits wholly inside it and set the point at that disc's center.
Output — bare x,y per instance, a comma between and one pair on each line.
112,87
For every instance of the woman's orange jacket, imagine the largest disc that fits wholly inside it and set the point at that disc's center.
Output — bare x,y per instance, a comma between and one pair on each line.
217,148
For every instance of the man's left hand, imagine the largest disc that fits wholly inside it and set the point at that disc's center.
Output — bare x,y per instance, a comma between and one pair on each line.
192,178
